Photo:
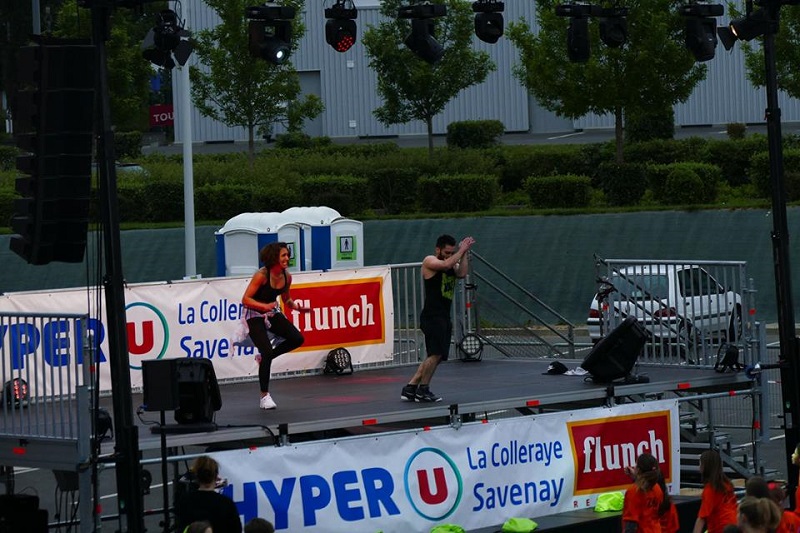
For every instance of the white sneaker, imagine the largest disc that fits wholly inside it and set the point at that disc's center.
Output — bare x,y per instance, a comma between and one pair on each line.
267,402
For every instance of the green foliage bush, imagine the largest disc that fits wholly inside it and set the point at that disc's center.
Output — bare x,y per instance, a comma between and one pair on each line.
127,145
368,150
393,190
648,124
8,157
524,161
7,196
474,133
348,195
664,151
456,193
298,139
664,180
466,161
623,184
733,157
131,200
760,176
559,191
682,186
163,201
736,130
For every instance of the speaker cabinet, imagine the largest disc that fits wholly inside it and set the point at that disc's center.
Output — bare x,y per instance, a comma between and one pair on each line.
160,384
615,355
198,391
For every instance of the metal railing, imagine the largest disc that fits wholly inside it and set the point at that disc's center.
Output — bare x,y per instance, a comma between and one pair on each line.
690,309
508,317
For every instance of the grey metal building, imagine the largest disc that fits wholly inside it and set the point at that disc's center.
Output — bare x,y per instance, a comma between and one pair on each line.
347,86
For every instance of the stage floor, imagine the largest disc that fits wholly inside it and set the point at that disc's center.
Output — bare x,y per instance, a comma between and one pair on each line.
323,406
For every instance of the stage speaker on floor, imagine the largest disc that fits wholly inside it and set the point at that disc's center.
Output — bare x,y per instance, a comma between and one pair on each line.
198,391
615,355
187,386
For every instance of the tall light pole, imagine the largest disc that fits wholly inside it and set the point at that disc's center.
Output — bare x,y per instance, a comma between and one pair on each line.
126,450
790,366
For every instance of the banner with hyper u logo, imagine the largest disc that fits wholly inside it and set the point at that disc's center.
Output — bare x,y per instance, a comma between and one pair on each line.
476,476
200,319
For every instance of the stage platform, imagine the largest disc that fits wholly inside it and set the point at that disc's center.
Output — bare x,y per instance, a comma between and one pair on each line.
324,406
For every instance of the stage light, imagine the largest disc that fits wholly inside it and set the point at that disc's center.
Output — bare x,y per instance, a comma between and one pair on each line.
746,28
578,50
421,40
167,42
270,32
340,29
488,20
614,26
16,392
701,26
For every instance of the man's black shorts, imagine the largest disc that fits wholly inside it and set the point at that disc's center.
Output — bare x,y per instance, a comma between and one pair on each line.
438,332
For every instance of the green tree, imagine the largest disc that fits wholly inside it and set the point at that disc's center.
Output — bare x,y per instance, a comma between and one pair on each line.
411,88
128,72
239,90
652,71
787,52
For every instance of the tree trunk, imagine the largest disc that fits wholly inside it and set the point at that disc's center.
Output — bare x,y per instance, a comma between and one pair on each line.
251,146
619,134
429,123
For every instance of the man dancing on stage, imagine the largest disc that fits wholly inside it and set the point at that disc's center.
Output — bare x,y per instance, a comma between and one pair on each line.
439,273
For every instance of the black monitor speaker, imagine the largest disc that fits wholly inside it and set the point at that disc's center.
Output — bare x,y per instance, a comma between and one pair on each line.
614,357
198,391
187,386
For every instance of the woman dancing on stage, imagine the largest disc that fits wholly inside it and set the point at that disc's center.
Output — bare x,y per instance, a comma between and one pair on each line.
263,314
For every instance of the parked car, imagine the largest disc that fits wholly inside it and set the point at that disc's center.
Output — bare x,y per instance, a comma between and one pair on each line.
677,304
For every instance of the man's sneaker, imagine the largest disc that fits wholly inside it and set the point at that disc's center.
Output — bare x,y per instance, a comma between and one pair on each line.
424,395
267,402
409,393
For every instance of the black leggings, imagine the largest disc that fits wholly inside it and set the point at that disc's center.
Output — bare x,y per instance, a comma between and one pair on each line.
281,327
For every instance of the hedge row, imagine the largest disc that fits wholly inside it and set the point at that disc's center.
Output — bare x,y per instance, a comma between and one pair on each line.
382,178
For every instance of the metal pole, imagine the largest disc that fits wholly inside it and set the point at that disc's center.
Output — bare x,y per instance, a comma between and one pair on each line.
188,168
790,369
130,500
37,17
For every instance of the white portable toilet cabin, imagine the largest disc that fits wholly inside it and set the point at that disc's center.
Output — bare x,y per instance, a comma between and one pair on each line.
239,241
329,241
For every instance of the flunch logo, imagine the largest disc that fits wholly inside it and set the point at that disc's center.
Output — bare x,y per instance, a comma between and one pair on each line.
433,484
148,332
342,313
602,448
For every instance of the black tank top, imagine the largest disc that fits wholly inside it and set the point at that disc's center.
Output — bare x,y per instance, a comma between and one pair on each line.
266,293
439,290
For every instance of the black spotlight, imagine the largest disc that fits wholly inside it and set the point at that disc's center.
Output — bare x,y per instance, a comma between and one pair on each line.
340,29
614,26
16,392
745,28
422,40
488,20
701,29
167,42
270,32
578,50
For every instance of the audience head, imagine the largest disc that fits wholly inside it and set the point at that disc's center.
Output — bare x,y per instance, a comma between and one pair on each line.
776,493
205,470
200,526
756,486
259,525
758,514
711,470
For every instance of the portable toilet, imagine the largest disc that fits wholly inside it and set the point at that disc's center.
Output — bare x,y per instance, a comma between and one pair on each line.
239,241
330,241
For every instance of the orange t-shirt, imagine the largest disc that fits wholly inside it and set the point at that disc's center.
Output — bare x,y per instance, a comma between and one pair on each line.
642,507
718,509
669,520
790,523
